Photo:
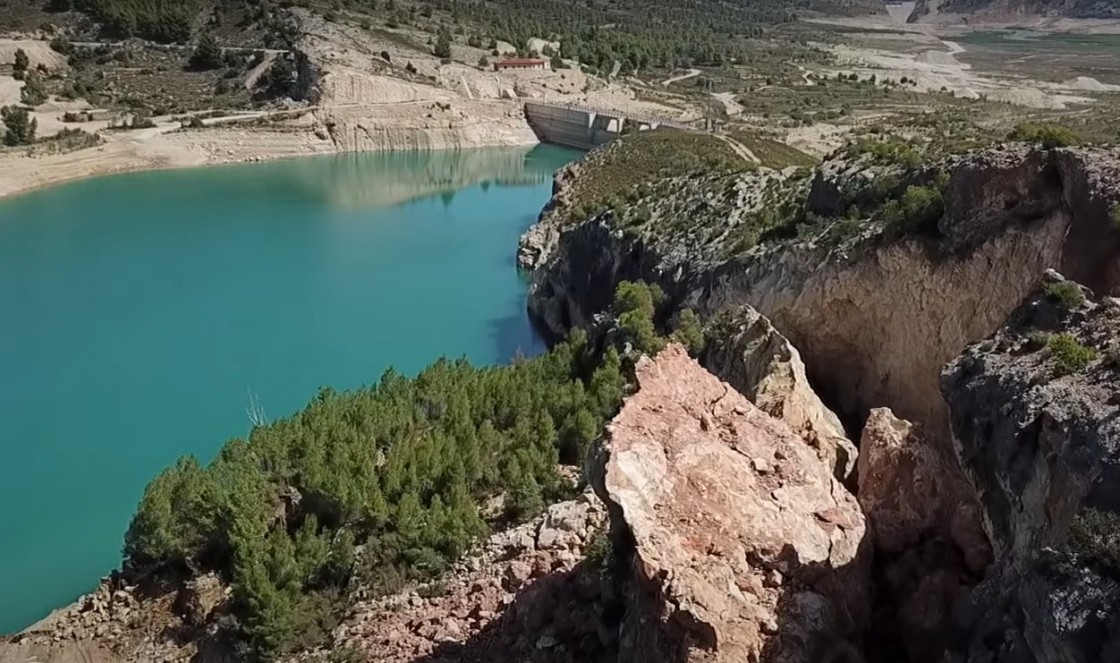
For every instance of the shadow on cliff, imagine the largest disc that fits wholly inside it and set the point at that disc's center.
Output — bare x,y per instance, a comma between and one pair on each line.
561,617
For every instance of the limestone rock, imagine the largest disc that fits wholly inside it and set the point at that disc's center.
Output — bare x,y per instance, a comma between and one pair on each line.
929,542
1042,445
200,597
875,320
750,355
565,526
729,563
899,479
539,241
907,493
524,596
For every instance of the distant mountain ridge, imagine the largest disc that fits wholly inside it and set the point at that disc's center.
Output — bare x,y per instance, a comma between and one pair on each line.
1101,9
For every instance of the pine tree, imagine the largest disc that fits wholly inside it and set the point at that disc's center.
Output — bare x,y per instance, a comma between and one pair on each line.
34,92
21,64
525,499
207,54
443,45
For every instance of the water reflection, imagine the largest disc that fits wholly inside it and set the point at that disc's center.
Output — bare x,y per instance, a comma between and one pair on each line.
359,180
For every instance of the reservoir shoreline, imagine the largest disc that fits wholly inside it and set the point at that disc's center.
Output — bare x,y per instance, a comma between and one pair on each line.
167,147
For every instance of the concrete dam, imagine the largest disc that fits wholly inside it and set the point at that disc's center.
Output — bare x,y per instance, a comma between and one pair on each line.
587,128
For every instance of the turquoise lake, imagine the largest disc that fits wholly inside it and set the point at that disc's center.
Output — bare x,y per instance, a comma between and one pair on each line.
143,312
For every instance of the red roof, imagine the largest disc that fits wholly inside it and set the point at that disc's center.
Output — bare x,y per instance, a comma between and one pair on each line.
520,61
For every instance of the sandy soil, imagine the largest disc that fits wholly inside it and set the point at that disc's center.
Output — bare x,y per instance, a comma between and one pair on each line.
38,53
9,90
937,69
924,52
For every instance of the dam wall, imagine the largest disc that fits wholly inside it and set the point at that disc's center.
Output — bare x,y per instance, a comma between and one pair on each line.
584,127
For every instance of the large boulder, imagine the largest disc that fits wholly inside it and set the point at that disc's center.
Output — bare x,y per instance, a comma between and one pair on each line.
908,494
749,354
742,545
1035,413
930,546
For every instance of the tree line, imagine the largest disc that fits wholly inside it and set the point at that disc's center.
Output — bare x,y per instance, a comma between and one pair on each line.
638,35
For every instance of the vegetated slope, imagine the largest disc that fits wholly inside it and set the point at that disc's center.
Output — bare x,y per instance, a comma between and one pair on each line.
636,34
375,487
1019,8
163,21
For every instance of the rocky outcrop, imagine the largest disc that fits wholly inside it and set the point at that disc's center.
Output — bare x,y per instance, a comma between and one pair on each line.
908,494
428,125
1036,423
874,323
930,547
116,623
742,546
528,595
750,355
540,240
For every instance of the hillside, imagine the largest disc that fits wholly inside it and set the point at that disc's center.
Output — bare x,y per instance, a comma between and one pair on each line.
1017,9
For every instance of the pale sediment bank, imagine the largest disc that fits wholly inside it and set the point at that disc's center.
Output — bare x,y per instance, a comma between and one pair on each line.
374,128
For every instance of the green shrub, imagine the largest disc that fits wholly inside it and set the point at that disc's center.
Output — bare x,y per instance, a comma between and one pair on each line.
280,78
21,63
19,126
599,554
1065,293
1096,535
1069,354
917,207
1037,340
1048,136
891,150
33,92
635,306
689,332
207,54
67,140
442,49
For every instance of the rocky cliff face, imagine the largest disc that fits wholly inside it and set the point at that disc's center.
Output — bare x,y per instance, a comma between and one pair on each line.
876,320
758,362
741,545
1035,422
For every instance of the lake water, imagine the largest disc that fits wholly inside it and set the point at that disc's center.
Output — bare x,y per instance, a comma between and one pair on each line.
141,313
